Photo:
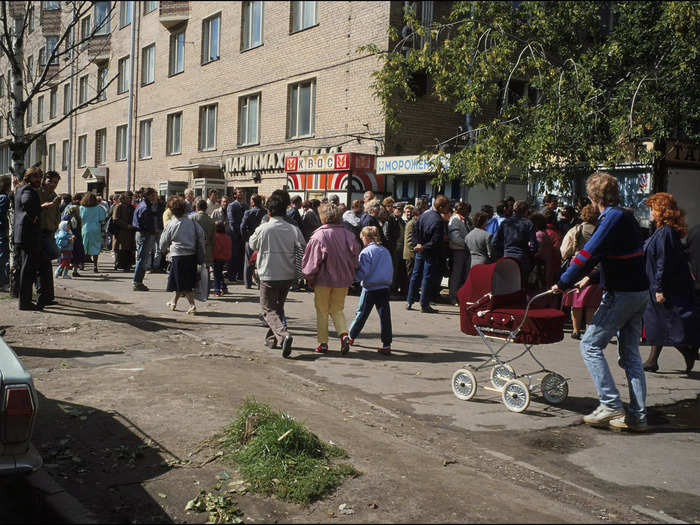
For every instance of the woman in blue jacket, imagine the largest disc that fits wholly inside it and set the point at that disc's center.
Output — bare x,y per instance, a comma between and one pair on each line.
671,317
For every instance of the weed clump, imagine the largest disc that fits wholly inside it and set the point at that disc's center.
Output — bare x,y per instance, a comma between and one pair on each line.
278,455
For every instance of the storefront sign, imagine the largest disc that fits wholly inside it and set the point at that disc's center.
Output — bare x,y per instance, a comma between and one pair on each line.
683,153
410,164
270,161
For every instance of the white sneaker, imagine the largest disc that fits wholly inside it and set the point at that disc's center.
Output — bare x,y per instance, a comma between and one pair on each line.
192,310
623,423
602,415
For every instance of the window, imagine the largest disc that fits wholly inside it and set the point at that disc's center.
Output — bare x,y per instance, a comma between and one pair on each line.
207,127
252,20
2,86
42,57
85,29
123,80
304,15
51,6
145,139
53,102
102,12
174,133
29,113
100,146
2,130
302,109
52,157
65,153
102,83
40,109
31,23
67,103
121,143
30,67
177,53
51,43
210,39
148,64
82,151
124,14
83,89
149,7
248,118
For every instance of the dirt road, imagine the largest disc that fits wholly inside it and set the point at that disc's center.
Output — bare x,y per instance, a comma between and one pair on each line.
130,394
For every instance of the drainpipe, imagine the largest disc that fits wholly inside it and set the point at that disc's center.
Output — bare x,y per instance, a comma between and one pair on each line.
70,117
132,59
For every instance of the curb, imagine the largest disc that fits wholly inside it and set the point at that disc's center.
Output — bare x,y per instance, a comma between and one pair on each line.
63,505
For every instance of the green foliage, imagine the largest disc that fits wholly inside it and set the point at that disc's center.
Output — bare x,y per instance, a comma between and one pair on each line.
278,455
595,94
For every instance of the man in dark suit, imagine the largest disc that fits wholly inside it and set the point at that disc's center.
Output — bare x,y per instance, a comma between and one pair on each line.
234,215
251,220
27,235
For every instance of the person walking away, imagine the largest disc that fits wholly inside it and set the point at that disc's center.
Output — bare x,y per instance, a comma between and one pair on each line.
64,242
72,214
408,253
516,237
222,254
392,231
400,276
583,302
27,235
478,241
5,187
184,238
375,273
671,317
92,215
293,215
310,220
351,218
251,220
428,234
276,242
617,245
328,265
144,223
124,243
202,218
234,214
502,213
457,231
49,219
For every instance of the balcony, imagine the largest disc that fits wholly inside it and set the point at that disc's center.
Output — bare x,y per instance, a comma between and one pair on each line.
99,47
174,13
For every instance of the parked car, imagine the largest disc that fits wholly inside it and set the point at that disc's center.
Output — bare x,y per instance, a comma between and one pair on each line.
18,406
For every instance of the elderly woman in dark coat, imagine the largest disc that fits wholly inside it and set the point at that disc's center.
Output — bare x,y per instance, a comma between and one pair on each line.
124,243
671,317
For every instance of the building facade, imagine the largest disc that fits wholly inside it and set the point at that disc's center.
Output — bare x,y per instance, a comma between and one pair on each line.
220,94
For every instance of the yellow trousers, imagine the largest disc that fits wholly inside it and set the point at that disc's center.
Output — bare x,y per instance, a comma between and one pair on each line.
329,301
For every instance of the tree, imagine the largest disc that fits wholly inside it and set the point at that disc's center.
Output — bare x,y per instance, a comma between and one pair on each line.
553,85
65,59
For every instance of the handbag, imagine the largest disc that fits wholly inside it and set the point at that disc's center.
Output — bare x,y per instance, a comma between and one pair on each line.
298,258
201,291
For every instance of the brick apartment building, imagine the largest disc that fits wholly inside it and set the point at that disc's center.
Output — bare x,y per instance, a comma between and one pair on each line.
225,94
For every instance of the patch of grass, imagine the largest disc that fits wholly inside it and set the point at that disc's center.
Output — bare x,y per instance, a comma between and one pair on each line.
278,455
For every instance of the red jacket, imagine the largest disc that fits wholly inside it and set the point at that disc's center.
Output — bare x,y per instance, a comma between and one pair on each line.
222,247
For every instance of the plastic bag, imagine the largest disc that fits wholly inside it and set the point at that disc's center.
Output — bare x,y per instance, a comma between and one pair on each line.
201,290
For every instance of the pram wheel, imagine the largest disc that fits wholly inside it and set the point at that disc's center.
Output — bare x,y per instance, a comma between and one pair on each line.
500,375
516,396
463,384
554,388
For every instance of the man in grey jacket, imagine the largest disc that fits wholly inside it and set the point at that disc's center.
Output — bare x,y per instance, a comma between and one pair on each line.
276,242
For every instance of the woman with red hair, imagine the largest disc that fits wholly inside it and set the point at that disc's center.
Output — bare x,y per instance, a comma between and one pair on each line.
671,317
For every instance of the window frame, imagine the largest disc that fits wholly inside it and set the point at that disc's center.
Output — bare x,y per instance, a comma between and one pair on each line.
82,148
146,4
28,113
142,125
40,110
2,86
247,46
103,27
65,153
102,71
51,5
172,56
169,133
67,104
51,161
292,13
130,12
245,100
207,22
101,137
203,131
312,105
31,21
123,85
85,29
144,65
122,130
30,66
53,102
51,48
83,89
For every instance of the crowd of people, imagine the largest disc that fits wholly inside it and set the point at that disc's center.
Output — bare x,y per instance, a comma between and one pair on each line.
382,248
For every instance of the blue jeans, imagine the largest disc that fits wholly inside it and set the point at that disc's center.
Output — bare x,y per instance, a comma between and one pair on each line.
157,255
368,300
144,249
4,260
426,270
619,313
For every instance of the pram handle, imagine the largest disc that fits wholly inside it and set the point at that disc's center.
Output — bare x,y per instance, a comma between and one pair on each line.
527,309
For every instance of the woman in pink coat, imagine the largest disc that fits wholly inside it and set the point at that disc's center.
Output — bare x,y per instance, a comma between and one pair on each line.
329,265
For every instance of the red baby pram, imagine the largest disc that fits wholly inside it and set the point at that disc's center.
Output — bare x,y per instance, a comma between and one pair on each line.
494,306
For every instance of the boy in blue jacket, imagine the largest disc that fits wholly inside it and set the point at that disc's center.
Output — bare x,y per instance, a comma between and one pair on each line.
375,272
